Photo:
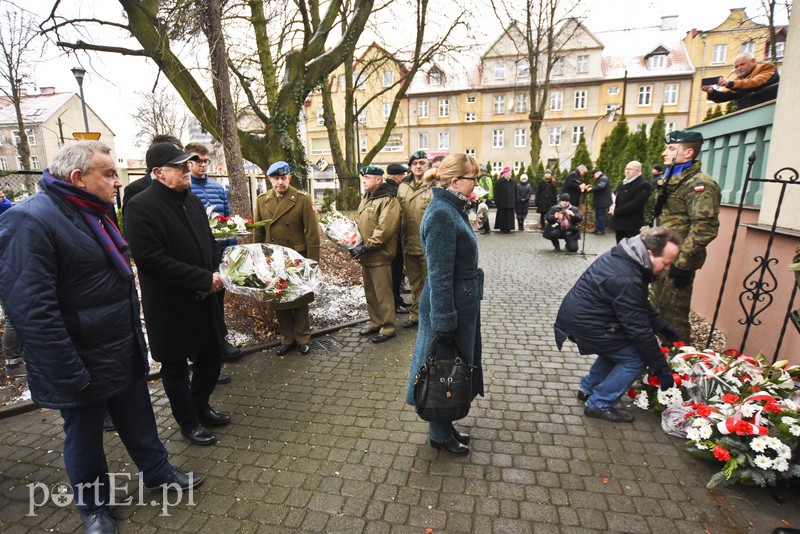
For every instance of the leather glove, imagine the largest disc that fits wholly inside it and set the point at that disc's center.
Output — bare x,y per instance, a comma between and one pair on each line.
669,334
358,251
666,381
680,277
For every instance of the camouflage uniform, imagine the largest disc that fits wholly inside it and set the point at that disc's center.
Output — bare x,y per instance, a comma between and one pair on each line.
692,210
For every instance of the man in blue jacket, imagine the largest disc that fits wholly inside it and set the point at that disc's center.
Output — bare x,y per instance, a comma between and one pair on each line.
607,313
67,285
213,195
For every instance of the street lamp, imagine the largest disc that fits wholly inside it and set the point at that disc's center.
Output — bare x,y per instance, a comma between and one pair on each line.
79,73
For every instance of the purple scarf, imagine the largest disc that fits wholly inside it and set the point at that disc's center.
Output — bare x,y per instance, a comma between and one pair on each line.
94,211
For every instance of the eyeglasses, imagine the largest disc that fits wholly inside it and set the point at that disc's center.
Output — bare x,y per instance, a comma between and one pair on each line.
179,166
201,161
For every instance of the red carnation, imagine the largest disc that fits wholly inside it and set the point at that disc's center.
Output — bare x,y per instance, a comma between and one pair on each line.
703,409
679,344
772,407
632,393
665,350
721,454
755,388
730,398
732,352
743,428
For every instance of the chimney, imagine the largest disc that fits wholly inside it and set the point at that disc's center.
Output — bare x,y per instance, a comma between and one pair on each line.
47,90
669,22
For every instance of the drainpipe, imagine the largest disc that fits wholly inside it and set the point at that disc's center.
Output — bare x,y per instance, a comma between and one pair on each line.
700,98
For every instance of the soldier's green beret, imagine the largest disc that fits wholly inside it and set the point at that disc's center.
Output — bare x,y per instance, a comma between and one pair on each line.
683,136
419,154
371,169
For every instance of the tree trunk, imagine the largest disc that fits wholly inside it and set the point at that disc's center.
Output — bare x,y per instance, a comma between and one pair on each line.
239,186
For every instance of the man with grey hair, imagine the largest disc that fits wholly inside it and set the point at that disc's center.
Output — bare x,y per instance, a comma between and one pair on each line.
67,286
754,84
607,313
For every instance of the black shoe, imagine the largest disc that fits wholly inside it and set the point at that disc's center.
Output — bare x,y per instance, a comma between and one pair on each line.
401,309
557,247
380,338
108,424
199,435
582,396
410,323
177,479
231,352
303,348
211,417
224,378
451,447
785,530
367,331
99,523
283,349
460,436
612,415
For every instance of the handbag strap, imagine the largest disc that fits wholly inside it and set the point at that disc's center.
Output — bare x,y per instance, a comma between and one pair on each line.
457,354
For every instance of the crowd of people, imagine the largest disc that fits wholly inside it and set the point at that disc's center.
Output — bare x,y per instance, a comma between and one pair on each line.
70,294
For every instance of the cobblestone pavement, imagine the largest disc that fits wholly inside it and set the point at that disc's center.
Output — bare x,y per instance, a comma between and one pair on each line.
324,443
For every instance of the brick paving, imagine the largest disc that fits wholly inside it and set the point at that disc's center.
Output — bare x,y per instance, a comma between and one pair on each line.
324,443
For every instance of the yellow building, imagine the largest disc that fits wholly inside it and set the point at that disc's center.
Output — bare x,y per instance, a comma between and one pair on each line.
713,51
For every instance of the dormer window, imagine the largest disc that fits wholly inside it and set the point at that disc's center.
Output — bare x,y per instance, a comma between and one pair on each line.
523,69
435,77
499,71
658,61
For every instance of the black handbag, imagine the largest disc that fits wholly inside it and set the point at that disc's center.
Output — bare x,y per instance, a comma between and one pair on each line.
443,387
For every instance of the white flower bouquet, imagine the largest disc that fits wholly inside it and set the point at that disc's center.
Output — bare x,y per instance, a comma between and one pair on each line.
341,230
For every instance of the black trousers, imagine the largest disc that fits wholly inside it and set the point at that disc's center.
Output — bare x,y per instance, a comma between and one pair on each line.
622,234
85,458
397,276
188,398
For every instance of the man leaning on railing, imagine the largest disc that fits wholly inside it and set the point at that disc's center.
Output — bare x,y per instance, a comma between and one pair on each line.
754,84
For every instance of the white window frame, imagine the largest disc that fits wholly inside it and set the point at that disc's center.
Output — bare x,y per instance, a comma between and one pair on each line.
658,61
580,99
645,95
520,137
582,64
362,117
362,142
780,46
470,152
497,166
387,78
516,166
576,134
471,116
523,69
444,107
498,138
472,99
35,163
558,67
423,141
669,127
435,77
3,163
610,107
320,116
318,150
499,104
422,109
394,143
748,47
556,101
444,140
671,94
613,90
718,54
554,136
387,110
499,71
521,103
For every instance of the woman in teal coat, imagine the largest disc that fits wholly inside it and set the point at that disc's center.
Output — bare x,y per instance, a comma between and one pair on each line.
450,302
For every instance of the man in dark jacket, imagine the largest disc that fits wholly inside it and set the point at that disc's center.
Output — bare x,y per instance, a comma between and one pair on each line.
562,222
574,186
546,196
630,202
68,287
601,200
177,258
505,196
607,313
137,186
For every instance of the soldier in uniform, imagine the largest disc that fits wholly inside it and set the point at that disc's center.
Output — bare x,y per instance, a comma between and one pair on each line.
414,194
292,223
379,225
688,202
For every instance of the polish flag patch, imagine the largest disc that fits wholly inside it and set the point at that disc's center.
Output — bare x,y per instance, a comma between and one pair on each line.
699,188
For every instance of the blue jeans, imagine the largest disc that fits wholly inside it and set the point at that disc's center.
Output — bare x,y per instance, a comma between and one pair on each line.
600,219
611,375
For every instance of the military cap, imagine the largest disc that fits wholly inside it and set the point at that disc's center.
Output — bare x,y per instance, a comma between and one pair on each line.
396,168
683,136
564,196
371,169
279,168
419,154
658,168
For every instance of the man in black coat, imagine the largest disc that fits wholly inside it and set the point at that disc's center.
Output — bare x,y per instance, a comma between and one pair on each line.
607,313
546,196
177,259
601,200
505,196
574,186
630,202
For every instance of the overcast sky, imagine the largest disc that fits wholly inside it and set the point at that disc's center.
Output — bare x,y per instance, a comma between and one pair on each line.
113,80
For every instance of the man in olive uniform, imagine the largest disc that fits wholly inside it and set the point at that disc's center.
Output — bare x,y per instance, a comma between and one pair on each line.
379,225
688,202
414,194
293,224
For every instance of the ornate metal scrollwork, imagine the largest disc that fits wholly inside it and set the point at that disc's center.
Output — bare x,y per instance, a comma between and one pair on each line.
793,175
758,285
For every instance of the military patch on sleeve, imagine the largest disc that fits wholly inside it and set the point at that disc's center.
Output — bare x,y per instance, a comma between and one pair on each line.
699,188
